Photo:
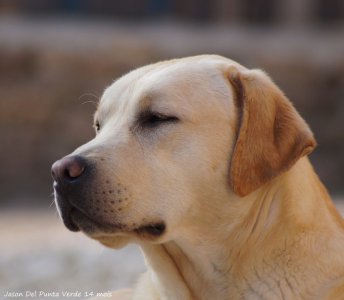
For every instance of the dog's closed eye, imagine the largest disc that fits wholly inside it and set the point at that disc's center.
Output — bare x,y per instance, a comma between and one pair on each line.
151,119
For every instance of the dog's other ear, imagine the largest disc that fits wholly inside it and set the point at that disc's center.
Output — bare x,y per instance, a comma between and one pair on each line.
271,135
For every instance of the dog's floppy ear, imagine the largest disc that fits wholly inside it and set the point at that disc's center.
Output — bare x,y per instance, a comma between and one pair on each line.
271,135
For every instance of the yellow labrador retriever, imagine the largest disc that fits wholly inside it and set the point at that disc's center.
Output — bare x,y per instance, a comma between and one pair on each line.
203,163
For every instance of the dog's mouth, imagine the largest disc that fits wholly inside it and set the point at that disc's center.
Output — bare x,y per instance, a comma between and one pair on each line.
77,220
91,227
86,224
97,230
151,231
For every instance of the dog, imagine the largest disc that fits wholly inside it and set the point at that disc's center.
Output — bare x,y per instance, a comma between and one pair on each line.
203,163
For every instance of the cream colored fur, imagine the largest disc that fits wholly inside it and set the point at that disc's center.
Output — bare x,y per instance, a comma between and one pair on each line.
246,216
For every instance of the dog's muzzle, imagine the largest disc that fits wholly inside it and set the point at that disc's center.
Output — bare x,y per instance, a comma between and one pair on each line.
70,175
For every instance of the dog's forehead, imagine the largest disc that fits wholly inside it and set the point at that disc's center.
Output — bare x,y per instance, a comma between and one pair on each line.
166,81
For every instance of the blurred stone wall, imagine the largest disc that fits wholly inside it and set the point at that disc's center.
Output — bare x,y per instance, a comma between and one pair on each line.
52,72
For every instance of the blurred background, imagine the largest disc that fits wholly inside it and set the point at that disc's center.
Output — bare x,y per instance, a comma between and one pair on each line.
57,56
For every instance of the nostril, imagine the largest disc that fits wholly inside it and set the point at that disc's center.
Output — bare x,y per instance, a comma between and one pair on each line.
74,170
68,168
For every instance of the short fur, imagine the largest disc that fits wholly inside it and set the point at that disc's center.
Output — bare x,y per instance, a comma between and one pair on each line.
245,215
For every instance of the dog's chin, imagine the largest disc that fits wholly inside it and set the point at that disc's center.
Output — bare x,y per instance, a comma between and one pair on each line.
114,242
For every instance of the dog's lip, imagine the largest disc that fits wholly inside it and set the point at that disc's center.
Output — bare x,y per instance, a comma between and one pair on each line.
76,219
91,227
69,223
64,209
96,229
80,220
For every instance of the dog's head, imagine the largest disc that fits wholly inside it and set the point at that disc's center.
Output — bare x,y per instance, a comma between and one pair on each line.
173,141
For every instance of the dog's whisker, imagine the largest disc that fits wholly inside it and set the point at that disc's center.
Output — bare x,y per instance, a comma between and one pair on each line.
52,203
90,101
94,102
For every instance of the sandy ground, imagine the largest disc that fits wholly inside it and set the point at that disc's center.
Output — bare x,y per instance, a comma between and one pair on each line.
39,255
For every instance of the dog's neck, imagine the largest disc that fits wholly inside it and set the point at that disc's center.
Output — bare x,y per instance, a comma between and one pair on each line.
262,234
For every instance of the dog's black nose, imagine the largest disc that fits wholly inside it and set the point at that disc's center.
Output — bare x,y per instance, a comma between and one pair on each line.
68,169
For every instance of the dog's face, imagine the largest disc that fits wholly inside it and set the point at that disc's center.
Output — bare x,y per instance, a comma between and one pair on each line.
162,144
160,159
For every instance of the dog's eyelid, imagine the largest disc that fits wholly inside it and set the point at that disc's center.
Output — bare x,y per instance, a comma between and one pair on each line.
160,115
151,119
